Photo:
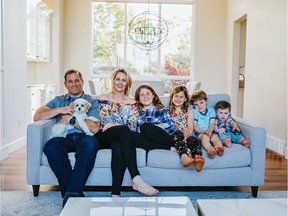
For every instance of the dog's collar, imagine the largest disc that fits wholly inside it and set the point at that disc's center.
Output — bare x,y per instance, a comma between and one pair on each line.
72,99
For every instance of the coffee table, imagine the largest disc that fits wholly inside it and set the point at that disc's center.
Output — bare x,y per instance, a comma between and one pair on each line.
129,206
247,207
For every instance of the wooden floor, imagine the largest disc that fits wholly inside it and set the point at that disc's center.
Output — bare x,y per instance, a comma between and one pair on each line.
13,175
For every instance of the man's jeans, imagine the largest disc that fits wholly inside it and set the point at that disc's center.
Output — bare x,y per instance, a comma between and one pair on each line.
86,147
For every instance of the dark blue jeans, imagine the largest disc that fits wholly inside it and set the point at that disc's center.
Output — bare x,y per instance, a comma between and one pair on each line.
72,181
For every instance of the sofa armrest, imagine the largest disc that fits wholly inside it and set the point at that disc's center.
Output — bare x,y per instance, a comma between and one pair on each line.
257,136
38,134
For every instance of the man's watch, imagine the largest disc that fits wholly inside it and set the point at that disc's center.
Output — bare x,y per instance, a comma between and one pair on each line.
72,120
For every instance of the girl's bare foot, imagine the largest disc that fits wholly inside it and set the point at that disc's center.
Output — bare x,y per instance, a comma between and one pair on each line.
115,196
199,161
227,142
140,185
245,142
186,160
212,153
220,150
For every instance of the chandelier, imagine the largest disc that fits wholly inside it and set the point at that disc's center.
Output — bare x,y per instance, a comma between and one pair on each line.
148,30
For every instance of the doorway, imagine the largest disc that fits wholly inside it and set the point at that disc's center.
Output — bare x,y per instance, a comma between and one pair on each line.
238,65
241,71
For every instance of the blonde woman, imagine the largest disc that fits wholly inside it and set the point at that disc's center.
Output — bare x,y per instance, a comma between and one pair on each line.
118,112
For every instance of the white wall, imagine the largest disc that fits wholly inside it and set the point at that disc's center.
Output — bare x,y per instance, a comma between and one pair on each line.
15,77
265,99
210,49
78,38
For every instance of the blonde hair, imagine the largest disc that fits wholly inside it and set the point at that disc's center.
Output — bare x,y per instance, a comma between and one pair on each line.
129,80
156,100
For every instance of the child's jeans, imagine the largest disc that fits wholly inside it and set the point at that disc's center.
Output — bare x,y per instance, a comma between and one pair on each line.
235,138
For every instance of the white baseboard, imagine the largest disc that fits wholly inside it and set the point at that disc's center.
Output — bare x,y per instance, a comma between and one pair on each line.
11,147
276,145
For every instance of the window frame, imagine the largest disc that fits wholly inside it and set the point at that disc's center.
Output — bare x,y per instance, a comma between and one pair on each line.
158,76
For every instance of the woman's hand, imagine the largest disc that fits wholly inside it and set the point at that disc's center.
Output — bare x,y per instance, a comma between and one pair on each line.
108,125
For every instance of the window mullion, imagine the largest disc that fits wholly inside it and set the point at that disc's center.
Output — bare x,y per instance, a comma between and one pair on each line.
125,36
159,50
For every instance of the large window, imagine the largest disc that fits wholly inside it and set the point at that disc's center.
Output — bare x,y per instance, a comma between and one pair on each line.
172,62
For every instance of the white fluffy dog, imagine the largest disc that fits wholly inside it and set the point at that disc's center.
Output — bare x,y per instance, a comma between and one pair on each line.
80,108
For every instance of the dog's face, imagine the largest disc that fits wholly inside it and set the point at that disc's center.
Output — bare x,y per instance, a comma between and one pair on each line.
80,105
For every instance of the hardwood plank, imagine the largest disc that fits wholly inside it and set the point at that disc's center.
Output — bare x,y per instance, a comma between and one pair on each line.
13,175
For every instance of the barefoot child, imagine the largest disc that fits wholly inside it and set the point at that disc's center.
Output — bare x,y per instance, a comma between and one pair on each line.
183,116
227,127
204,119
154,121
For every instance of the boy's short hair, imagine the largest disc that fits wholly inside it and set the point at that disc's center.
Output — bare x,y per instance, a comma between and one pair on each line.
198,95
223,105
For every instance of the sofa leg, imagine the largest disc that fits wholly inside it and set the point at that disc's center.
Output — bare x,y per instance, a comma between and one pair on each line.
254,191
35,189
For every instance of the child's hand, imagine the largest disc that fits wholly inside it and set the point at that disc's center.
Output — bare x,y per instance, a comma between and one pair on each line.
236,129
221,131
208,133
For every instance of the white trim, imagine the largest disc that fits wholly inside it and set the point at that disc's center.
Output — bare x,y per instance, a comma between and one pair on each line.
276,145
150,1
11,147
158,75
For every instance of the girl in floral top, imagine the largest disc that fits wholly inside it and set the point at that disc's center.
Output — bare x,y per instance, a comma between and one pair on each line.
118,118
183,115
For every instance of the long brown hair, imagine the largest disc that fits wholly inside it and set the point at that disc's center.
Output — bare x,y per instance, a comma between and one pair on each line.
156,100
176,90
129,80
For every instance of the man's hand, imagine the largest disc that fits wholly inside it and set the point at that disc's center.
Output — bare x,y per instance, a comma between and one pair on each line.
65,119
65,110
45,112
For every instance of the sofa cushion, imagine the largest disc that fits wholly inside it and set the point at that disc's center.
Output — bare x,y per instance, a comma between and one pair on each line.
236,156
103,159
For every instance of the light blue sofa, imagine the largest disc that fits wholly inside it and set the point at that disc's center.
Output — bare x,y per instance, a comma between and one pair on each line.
239,166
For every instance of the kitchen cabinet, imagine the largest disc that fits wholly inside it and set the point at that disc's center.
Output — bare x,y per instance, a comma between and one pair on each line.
38,31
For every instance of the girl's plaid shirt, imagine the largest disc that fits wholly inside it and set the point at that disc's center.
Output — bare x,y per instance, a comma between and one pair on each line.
158,117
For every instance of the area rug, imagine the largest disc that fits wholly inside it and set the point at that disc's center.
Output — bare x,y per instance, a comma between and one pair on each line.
49,203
